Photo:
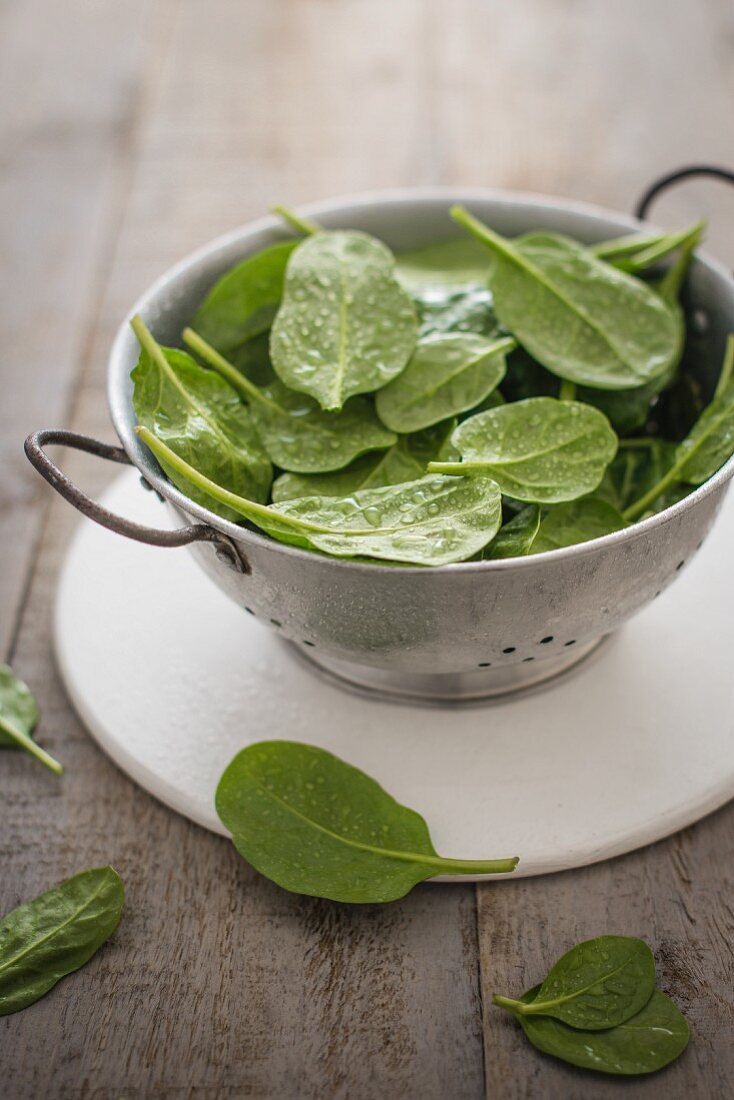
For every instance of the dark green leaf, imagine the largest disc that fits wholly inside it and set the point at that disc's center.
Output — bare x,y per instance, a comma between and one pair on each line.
345,326
243,303
432,521
446,375
55,934
444,310
647,1042
596,985
540,451
201,419
515,539
578,316
18,718
575,522
315,825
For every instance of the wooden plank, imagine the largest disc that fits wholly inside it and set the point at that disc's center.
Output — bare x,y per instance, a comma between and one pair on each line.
63,143
218,984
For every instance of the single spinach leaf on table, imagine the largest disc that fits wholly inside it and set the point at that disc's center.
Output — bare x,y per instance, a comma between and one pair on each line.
406,460
516,537
445,375
243,303
431,521
597,984
56,933
645,1043
579,317
19,717
298,435
574,522
345,325
200,418
316,825
540,451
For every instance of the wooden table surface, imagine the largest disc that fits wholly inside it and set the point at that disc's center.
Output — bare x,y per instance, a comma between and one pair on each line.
133,132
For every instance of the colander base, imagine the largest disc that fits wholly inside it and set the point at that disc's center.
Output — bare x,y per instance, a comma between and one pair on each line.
447,689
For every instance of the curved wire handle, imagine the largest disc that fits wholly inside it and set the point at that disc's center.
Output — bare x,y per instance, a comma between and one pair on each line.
180,536
660,185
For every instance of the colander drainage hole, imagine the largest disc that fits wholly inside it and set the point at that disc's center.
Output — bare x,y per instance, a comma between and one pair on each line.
680,565
526,659
312,644
250,611
276,622
484,664
509,649
545,641
572,642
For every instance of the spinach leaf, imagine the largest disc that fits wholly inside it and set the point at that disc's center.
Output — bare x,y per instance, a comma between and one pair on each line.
406,460
296,433
18,719
638,465
253,360
515,539
201,419
443,310
56,933
645,1043
431,521
446,375
706,448
243,303
597,984
576,521
458,263
640,252
579,317
345,325
540,451
318,826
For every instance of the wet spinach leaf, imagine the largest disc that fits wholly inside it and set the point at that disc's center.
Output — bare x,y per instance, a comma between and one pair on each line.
19,717
55,934
297,434
648,1041
456,264
431,521
517,536
579,317
598,984
243,303
540,451
446,375
406,460
575,522
200,418
345,325
449,310
639,252
315,825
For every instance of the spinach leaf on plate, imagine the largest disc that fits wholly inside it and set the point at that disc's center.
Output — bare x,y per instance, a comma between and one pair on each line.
541,451
318,826
202,420
431,521
56,933
19,717
345,325
596,985
645,1043
579,317
446,375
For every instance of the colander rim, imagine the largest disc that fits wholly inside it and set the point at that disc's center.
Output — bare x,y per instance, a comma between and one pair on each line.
138,454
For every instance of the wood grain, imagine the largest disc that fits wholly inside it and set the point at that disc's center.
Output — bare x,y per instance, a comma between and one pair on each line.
150,127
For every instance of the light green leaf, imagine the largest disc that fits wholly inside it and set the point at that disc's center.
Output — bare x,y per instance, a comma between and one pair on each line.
446,375
18,718
575,522
315,825
579,317
541,451
443,310
454,264
345,326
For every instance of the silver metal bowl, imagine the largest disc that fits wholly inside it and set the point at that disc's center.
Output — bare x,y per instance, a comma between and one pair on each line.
450,633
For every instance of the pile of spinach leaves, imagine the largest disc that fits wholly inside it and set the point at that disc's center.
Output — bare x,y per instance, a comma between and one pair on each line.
484,397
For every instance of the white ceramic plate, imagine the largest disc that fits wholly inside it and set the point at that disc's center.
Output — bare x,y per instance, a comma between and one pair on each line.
172,679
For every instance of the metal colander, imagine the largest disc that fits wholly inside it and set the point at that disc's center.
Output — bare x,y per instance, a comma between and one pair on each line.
450,633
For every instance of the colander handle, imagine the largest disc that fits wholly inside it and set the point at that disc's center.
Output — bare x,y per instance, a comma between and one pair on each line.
662,184
226,549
